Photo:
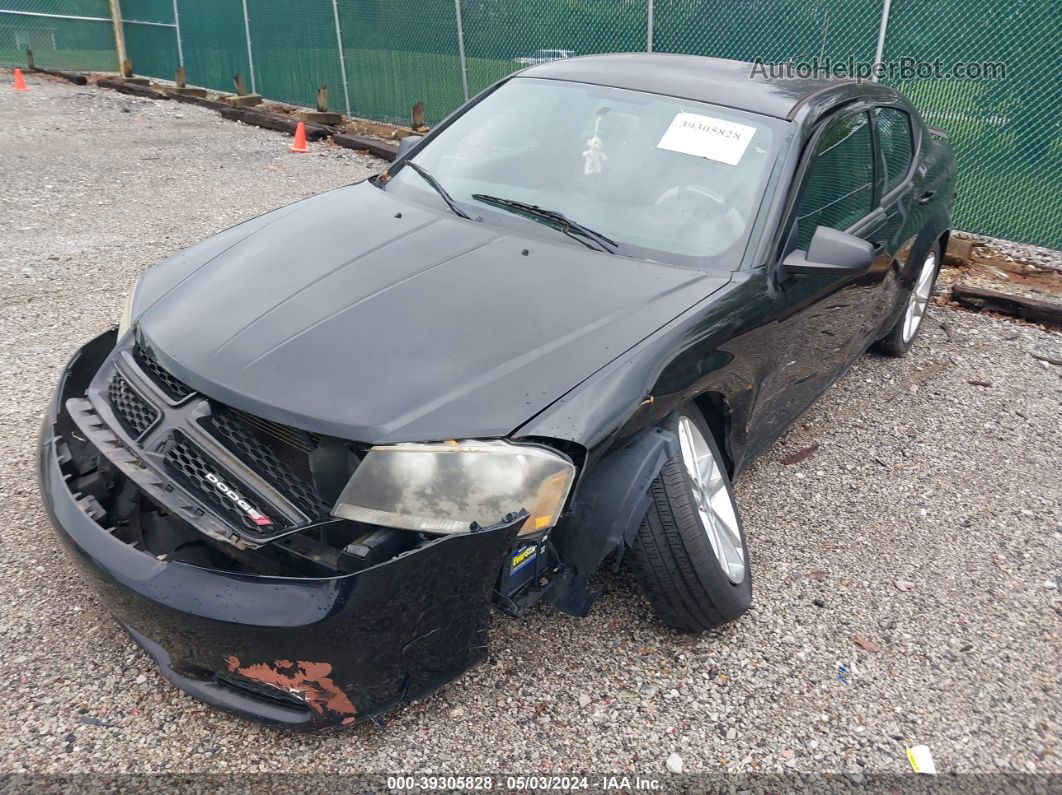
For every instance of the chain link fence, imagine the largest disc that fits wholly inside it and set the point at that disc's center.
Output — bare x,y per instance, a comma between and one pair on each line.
379,57
63,34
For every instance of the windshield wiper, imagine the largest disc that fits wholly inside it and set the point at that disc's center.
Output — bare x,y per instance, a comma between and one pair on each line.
568,226
434,183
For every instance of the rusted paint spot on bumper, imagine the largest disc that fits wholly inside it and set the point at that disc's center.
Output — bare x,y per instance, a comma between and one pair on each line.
309,680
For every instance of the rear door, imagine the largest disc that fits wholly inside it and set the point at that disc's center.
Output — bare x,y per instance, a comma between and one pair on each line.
897,143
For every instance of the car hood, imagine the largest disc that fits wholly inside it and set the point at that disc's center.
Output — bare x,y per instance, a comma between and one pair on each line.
361,316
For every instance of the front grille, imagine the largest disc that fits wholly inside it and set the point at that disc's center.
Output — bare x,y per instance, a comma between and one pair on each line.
133,411
278,453
191,467
171,385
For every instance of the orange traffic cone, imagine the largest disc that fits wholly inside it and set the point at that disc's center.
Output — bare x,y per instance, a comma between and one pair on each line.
300,139
20,82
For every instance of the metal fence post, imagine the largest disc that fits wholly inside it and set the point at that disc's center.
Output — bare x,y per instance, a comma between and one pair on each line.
461,48
177,25
342,56
883,29
250,55
649,28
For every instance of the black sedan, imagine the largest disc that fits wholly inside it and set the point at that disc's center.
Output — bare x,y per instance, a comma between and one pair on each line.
320,444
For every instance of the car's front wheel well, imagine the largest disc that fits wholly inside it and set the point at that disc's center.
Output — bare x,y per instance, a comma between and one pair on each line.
716,411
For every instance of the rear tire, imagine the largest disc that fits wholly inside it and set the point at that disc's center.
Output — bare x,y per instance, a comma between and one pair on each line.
902,335
695,576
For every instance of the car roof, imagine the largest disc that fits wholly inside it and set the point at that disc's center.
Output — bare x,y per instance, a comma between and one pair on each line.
716,81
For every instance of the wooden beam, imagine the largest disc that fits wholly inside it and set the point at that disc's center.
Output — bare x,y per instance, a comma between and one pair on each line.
192,99
274,121
380,149
417,117
135,89
76,78
322,115
1029,309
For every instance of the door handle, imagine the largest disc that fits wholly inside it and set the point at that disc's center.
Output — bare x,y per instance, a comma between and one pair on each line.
927,197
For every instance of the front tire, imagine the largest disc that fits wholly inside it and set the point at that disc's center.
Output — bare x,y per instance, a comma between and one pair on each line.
902,335
690,554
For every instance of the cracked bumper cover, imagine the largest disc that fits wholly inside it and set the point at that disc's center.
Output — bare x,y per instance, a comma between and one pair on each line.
302,653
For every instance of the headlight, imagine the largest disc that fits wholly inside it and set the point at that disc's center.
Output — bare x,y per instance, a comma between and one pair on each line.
125,322
445,487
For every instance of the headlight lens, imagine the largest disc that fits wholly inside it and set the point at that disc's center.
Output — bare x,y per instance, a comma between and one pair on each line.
125,322
444,487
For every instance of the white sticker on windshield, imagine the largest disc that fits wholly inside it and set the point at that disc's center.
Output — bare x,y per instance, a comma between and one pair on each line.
703,136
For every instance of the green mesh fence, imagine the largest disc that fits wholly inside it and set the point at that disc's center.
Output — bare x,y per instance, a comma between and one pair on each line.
213,42
295,53
378,57
63,34
400,53
1007,133
502,37
150,36
772,30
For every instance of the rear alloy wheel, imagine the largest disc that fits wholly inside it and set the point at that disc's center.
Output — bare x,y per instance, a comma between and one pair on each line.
900,338
690,553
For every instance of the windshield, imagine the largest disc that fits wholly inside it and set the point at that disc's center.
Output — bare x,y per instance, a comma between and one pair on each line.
666,179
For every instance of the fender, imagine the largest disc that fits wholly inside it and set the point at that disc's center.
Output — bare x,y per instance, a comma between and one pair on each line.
613,499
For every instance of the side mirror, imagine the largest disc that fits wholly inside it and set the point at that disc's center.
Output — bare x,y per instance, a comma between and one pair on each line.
407,144
831,251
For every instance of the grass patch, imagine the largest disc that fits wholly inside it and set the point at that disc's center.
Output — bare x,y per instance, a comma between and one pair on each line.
74,60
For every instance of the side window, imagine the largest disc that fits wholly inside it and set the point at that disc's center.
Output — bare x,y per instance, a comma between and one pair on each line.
894,136
839,188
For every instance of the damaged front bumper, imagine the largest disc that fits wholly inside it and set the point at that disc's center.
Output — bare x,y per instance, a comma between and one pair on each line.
299,652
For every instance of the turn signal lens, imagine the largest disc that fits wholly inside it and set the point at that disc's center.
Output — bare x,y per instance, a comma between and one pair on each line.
548,503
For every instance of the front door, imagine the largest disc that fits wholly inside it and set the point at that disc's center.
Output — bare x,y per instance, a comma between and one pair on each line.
827,317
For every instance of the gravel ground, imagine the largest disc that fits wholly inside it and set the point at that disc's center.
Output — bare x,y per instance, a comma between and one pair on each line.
1046,258
1013,268
928,523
